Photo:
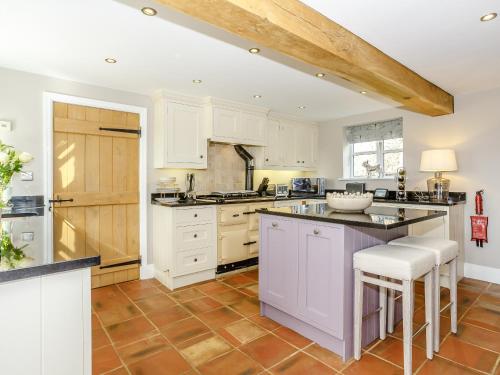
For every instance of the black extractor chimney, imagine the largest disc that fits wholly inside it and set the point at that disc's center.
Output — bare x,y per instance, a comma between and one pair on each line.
249,164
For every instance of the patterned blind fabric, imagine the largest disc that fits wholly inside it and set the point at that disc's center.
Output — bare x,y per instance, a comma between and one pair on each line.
375,131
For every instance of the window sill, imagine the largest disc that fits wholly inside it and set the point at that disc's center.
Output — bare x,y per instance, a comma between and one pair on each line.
365,179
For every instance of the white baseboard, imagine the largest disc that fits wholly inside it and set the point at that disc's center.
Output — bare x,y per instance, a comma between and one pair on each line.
147,271
483,273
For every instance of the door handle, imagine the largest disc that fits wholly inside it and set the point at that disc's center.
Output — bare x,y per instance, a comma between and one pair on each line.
58,200
249,243
249,213
236,215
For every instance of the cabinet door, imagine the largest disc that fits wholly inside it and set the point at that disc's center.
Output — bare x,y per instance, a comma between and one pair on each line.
255,128
20,340
227,124
288,144
273,152
232,245
431,228
185,140
233,215
278,263
320,276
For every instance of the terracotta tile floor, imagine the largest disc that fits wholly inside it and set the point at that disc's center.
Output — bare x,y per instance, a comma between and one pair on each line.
142,328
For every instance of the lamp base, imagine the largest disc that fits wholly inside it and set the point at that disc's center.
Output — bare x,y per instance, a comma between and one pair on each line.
438,187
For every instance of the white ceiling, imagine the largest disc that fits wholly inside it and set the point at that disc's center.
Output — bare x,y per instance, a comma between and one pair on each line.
441,40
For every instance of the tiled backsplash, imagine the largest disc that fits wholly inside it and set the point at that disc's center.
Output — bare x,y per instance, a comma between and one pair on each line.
226,171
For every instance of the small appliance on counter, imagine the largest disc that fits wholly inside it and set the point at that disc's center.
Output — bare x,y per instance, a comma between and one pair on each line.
303,186
262,189
281,190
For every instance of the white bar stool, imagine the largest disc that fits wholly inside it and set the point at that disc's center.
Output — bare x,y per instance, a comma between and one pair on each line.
445,252
405,264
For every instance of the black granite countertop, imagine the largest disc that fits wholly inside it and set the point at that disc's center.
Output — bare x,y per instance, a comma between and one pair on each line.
31,258
418,197
193,202
373,217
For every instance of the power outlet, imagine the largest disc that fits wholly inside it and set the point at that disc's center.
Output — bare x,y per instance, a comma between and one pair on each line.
26,175
28,236
5,125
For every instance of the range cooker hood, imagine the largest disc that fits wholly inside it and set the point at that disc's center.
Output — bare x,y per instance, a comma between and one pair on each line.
249,165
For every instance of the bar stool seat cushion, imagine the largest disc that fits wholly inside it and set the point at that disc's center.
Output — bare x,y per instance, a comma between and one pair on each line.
444,250
398,262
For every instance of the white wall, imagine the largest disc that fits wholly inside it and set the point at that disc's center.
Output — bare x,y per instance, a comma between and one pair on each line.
473,131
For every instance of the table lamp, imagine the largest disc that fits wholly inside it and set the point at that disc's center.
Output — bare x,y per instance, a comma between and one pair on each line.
438,161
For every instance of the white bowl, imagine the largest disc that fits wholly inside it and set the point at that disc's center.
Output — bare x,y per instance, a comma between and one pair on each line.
349,202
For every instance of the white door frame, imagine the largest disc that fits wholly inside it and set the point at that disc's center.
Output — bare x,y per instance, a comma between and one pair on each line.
48,104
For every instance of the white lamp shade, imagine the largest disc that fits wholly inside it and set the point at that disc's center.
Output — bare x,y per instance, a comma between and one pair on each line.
438,161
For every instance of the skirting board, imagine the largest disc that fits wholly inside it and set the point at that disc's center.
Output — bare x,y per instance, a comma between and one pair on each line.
483,273
147,271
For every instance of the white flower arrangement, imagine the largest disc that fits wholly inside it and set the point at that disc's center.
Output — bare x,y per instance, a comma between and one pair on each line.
11,162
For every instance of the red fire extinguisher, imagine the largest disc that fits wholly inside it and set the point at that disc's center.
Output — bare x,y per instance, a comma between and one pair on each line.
479,223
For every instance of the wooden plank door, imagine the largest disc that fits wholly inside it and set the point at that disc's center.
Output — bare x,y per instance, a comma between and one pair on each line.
98,170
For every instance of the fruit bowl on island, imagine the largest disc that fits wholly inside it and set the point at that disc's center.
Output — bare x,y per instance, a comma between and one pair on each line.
349,202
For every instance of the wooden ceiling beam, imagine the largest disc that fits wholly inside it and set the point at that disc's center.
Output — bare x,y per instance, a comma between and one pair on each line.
298,31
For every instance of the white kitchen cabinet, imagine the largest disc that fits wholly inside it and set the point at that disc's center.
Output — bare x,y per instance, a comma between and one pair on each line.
184,244
47,325
180,141
227,125
449,227
231,122
291,145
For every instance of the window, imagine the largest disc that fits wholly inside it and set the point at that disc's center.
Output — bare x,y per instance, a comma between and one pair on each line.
371,145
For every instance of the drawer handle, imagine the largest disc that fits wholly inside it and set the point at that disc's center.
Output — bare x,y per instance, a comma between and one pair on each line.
195,215
316,231
249,213
249,243
195,235
275,225
236,215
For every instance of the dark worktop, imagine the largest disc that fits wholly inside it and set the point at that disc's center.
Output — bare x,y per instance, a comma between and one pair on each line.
417,197
373,217
192,202
26,215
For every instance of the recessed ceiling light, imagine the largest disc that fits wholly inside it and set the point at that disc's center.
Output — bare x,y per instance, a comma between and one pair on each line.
110,60
197,80
257,96
489,17
148,11
363,92
254,50
302,107
320,75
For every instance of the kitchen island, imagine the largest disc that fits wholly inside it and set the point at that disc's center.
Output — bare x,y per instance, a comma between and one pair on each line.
305,268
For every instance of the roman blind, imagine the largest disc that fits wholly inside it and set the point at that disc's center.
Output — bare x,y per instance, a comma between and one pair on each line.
375,131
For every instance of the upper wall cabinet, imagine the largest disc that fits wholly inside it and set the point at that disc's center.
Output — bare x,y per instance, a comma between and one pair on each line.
291,145
231,122
179,141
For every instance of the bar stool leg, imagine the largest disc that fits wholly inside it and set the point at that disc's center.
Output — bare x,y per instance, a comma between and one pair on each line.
390,311
407,326
429,311
383,309
437,307
453,295
358,312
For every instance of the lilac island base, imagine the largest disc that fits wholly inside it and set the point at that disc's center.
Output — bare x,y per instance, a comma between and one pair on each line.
305,269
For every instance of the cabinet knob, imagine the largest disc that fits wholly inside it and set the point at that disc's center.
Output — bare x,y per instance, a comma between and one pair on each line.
298,161
195,235
316,231
236,215
195,259
275,225
201,156
267,159
195,215
302,161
